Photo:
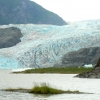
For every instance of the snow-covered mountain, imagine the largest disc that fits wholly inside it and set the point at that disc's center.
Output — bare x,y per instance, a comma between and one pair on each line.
45,45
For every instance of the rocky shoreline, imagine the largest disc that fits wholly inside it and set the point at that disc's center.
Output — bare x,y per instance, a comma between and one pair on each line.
94,73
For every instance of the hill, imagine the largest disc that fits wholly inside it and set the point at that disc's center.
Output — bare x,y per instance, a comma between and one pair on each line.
26,11
81,57
9,37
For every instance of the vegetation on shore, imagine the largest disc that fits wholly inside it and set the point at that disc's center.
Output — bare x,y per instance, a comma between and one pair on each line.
43,89
60,70
17,90
47,89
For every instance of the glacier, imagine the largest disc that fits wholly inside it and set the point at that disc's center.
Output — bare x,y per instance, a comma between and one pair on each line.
45,45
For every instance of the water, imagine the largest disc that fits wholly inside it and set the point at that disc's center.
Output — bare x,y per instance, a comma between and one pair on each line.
60,81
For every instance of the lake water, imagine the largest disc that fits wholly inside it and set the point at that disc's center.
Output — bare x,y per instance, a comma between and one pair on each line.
60,81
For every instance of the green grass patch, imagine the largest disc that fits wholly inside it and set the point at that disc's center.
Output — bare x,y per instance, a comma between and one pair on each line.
17,90
43,89
47,89
61,70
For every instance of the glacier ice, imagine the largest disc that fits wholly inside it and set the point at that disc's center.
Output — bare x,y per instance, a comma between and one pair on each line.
45,45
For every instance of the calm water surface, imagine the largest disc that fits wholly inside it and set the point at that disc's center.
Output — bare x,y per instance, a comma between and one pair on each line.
60,81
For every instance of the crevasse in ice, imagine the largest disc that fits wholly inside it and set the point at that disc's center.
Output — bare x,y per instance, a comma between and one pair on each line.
45,45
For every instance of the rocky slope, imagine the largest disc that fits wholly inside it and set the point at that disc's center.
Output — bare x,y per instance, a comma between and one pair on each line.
26,11
9,37
81,57
45,45
94,73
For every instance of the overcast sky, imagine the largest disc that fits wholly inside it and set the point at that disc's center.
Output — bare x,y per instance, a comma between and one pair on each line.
73,10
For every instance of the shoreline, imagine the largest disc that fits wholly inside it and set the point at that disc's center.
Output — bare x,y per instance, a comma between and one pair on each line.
60,81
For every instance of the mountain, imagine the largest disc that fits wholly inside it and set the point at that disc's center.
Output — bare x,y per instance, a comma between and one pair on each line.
9,37
26,11
45,45
81,57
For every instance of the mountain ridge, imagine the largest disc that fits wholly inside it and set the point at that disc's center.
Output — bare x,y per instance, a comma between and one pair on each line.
26,11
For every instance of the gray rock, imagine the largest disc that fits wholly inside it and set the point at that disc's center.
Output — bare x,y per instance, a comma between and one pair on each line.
94,73
9,37
81,57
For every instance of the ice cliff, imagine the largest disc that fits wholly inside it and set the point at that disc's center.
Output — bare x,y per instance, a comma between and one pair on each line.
45,45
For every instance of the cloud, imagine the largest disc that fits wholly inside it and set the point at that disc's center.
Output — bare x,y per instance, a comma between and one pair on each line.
73,10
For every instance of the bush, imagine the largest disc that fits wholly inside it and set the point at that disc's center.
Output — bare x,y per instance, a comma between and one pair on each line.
45,89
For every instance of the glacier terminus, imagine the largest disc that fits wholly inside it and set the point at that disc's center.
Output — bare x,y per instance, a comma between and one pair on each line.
45,45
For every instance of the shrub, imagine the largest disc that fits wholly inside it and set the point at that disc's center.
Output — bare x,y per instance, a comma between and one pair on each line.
45,89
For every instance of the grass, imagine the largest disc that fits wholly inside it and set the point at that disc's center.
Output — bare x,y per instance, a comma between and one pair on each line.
17,90
43,89
47,89
61,70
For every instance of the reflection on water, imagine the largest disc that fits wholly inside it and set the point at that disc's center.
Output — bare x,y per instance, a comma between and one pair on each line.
15,96
61,81
26,96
